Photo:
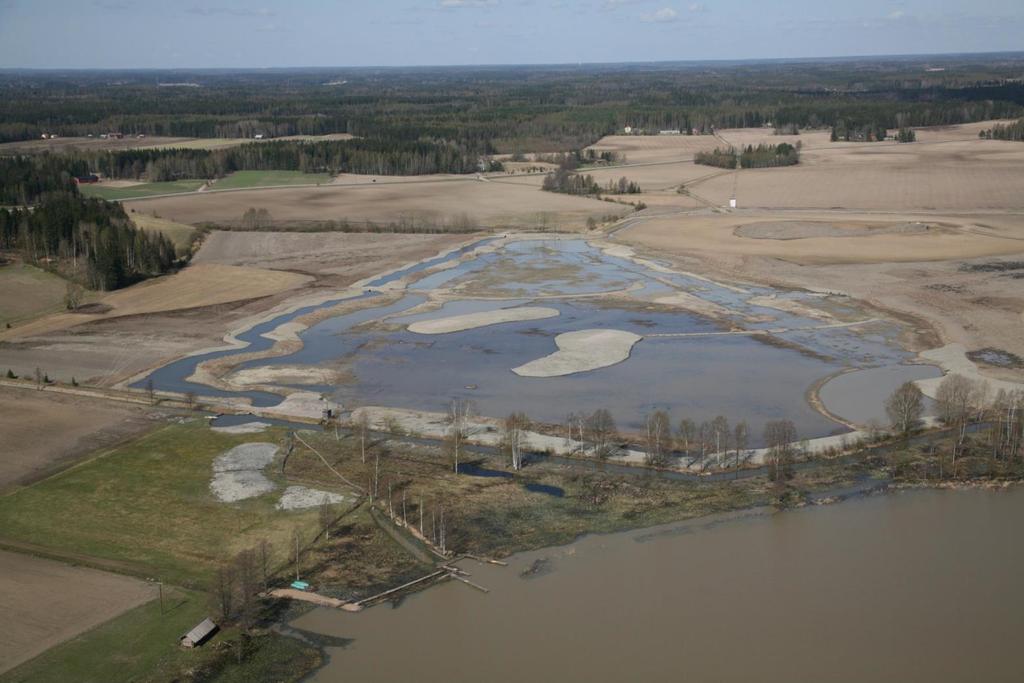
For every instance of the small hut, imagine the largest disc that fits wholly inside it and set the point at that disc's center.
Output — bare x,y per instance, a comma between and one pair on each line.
199,634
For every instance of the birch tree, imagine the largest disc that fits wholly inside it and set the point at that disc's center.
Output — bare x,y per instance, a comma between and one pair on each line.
459,412
657,438
513,437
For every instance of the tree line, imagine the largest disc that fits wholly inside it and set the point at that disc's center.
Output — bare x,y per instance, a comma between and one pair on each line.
90,241
502,110
1004,131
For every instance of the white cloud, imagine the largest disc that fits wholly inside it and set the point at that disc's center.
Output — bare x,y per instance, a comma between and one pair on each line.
897,14
697,7
662,16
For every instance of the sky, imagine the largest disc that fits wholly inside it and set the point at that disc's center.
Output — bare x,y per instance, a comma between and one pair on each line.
297,33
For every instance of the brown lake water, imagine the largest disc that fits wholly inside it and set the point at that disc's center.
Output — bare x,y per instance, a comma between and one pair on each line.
919,586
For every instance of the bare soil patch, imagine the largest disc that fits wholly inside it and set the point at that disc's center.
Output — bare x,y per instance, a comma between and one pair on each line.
644,149
438,200
44,432
795,230
46,602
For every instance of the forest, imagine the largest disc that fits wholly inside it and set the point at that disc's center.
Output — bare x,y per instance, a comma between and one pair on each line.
508,109
86,240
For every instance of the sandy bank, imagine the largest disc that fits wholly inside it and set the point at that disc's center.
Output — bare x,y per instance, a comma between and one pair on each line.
952,358
581,351
284,374
469,321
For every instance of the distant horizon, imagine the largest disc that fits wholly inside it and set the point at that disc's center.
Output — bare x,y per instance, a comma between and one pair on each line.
497,65
308,34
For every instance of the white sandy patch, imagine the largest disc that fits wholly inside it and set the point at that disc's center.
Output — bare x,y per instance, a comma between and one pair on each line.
238,472
790,306
244,428
693,303
300,404
953,359
301,498
283,374
285,332
469,321
582,351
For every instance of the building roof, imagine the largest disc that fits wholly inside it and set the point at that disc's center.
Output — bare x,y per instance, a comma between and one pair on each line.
200,632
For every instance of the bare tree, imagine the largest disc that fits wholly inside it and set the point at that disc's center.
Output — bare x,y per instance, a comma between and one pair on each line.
72,296
513,437
40,379
740,441
190,400
224,590
151,391
601,432
956,398
904,407
687,432
459,412
720,432
264,551
361,426
575,438
657,438
248,585
326,517
780,438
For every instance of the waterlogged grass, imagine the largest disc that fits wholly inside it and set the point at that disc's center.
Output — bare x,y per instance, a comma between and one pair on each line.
142,645
140,190
245,179
146,507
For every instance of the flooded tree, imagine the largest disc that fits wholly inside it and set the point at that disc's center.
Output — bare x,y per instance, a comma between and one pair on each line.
513,437
459,412
904,407
657,438
601,433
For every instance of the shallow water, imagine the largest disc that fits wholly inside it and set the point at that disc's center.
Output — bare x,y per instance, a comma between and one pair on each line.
741,377
860,396
909,587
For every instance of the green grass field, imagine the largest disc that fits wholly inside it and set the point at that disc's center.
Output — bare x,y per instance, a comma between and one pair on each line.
245,179
141,190
179,233
148,506
142,645
28,292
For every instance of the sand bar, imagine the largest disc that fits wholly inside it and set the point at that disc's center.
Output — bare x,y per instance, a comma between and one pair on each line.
469,321
582,351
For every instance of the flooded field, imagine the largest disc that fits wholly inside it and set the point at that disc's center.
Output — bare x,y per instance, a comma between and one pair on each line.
916,586
695,348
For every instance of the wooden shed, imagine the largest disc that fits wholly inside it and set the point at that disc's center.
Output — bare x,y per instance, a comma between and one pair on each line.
199,634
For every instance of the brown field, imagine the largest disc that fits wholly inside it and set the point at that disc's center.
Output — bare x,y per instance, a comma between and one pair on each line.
944,176
149,142
914,218
46,602
352,256
74,427
194,287
486,203
646,149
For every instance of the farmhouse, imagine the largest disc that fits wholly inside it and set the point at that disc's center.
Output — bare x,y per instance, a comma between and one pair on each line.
87,179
